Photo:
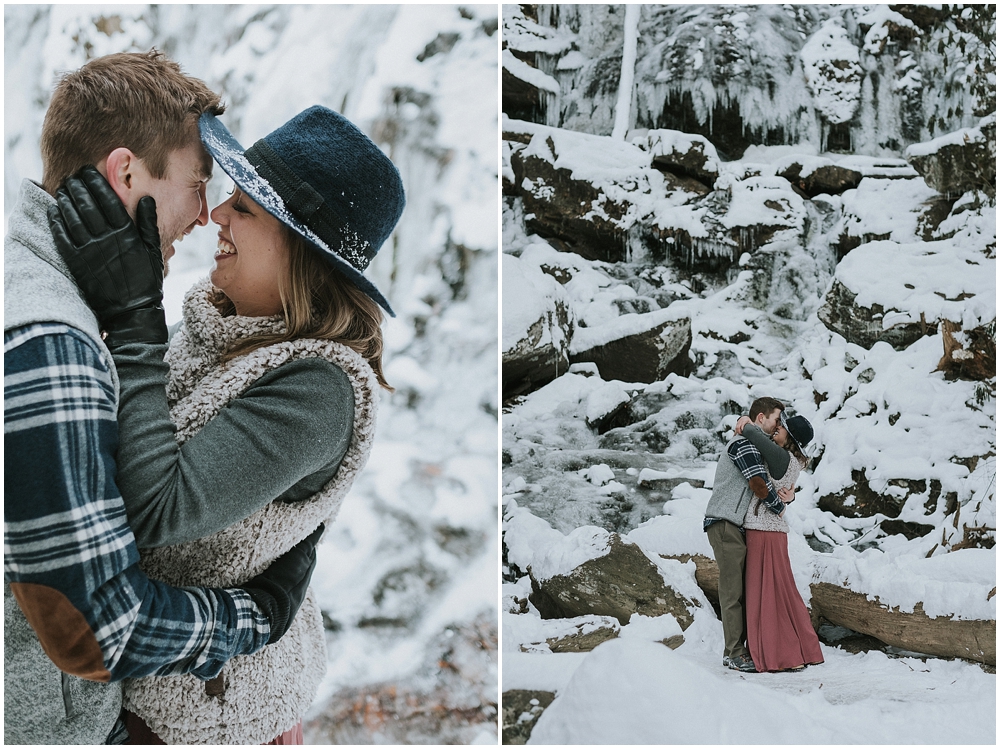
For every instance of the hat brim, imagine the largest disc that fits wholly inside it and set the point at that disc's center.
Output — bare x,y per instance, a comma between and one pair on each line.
803,448
229,154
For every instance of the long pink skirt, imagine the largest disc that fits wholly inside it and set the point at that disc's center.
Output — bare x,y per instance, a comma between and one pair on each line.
779,633
140,733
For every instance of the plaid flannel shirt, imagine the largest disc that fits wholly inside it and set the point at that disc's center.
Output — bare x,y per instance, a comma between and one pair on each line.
751,463
65,526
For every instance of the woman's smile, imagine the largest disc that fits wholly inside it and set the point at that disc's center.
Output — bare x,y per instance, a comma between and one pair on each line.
225,248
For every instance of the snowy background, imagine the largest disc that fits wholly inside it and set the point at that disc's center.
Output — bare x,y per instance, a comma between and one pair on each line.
803,207
407,577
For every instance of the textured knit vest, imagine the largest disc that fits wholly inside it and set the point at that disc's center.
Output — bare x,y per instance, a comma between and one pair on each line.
268,692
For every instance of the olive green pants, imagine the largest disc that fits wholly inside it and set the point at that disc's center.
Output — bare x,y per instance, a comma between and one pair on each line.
730,554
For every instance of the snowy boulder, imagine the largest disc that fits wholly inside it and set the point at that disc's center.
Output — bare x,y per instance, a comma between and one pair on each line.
683,154
885,208
812,176
898,293
605,404
590,193
619,583
537,327
960,161
636,348
860,500
833,72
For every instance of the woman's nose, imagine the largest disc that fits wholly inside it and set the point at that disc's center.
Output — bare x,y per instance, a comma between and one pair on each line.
220,214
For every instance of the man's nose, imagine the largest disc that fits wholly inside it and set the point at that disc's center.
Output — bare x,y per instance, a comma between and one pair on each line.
202,219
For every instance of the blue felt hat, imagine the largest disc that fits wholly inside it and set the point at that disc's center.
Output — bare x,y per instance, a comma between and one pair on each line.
324,178
799,429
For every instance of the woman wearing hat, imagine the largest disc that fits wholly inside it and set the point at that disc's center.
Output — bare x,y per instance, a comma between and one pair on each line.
245,433
780,635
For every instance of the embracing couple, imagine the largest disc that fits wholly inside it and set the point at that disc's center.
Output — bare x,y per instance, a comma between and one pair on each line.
164,495
764,621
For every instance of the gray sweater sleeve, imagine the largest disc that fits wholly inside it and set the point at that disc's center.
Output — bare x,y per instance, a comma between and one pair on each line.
776,457
289,429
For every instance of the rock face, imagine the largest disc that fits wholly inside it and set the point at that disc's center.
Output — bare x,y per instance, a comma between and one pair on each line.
645,356
861,501
959,162
538,326
521,710
969,354
863,325
619,584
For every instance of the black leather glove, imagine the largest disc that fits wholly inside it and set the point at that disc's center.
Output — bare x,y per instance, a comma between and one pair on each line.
116,263
280,589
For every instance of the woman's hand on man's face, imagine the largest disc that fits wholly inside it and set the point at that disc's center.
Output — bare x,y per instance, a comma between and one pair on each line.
740,423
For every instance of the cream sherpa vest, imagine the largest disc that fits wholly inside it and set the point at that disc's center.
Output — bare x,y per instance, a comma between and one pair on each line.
764,519
268,692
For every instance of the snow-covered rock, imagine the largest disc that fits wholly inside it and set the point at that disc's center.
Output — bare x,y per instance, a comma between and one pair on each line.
636,348
688,155
817,176
537,327
833,72
886,291
960,161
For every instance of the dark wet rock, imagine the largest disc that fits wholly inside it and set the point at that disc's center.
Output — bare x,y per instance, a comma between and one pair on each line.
861,501
863,325
621,583
645,356
959,164
827,179
521,710
905,528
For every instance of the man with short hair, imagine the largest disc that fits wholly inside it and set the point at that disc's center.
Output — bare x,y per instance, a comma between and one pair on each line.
724,516
79,613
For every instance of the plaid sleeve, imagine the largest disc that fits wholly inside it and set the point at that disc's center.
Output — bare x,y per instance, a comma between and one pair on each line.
69,555
748,459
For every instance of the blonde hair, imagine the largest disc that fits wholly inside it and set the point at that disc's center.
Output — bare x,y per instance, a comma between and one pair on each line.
317,302
136,100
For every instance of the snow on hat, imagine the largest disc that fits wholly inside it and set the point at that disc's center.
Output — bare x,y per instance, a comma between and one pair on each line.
321,176
799,429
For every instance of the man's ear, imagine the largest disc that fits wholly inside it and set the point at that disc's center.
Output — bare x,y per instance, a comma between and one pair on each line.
120,171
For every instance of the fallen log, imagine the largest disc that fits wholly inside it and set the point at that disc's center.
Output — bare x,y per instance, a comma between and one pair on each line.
973,640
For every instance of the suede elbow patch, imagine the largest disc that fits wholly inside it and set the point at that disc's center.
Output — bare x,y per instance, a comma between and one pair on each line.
62,631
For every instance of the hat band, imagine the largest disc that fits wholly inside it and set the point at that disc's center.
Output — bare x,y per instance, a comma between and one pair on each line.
308,206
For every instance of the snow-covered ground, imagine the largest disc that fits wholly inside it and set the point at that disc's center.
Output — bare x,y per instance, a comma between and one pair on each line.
636,691
413,553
